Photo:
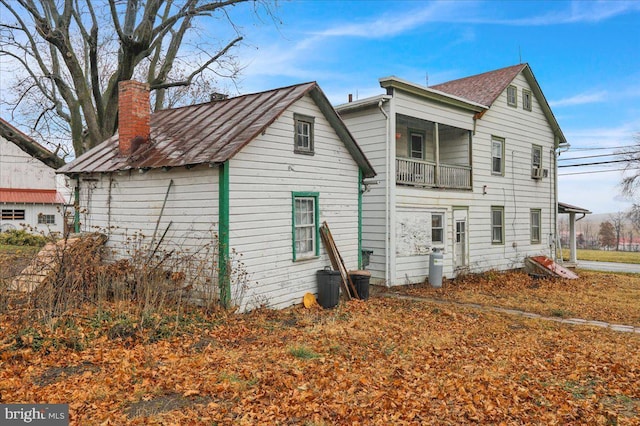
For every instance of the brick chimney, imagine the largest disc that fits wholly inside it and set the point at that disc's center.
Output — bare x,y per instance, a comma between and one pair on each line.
134,116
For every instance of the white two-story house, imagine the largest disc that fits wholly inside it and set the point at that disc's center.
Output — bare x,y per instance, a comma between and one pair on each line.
467,167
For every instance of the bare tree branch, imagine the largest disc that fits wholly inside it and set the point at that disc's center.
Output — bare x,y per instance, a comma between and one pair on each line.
74,53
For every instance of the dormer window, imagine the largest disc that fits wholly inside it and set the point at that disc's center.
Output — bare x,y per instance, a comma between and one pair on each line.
512,96
303,134
526,99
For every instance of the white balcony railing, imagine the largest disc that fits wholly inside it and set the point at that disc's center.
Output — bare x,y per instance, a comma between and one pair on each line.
424,173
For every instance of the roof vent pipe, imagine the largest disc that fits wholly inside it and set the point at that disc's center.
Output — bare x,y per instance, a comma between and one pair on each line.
215,97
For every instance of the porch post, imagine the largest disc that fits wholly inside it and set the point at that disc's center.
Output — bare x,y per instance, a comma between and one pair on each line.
437,170
573,255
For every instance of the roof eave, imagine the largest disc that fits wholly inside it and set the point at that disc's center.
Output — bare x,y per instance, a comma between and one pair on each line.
432,94
361,104
342,131
544,105
29,146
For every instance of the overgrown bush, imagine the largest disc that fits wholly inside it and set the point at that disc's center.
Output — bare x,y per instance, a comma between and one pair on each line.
142,283
20,237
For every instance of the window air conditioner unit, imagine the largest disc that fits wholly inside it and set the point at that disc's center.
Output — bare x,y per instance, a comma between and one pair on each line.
536,173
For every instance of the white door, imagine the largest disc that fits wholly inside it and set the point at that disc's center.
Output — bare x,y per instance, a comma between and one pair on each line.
460,240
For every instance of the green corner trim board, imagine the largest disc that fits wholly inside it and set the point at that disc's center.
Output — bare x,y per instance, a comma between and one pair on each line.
224,281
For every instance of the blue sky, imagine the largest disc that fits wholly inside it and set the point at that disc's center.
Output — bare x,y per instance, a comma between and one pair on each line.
584,54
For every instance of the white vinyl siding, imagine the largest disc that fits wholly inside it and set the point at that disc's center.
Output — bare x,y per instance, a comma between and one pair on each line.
262,178
131,211
513,188
19,170
369,127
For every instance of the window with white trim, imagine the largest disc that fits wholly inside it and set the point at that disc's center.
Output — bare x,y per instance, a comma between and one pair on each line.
417,146
303,134
305,225
497,225
46,219
536,225
497,155
527,100
536,156
437,228
512,96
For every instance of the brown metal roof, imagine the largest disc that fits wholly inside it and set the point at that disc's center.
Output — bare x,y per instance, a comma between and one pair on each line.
212,132
568,208
482,88
30,196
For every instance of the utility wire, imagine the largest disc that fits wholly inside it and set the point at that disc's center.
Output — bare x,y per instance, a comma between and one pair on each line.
594,163
590,172
602,147
598,155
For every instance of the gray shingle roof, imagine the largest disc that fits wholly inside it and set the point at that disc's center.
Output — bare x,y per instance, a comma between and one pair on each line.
482,88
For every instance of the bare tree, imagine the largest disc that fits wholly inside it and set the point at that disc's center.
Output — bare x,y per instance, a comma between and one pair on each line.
617,220
73,53
631,179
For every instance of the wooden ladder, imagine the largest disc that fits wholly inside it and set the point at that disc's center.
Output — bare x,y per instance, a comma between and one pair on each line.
337,262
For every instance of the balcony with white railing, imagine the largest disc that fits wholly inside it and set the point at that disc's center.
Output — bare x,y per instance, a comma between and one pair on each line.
422,173
431,154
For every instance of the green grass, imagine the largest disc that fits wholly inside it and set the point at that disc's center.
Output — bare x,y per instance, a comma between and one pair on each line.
605,256
303,352
10,249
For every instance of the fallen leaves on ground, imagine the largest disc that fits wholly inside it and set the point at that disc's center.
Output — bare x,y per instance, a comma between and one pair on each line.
380,362
599,296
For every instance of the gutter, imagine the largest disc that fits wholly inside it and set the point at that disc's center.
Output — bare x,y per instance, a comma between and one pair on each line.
387,201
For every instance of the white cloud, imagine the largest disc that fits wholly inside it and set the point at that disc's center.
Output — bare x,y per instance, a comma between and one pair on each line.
580,99
604,137
396,22
579,12
399,22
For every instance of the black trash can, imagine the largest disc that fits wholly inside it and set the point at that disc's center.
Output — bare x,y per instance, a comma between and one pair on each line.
360,280
328,287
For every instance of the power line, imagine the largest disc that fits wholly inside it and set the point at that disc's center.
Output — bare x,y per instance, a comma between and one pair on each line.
596,163
590,172
598,155
601,148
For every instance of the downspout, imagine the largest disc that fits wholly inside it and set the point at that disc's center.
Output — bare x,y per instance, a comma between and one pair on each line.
360,192
76,206
437,154
554,208
387,256
224,281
